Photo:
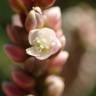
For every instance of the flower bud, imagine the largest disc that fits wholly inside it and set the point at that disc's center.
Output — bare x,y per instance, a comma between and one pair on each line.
22,5
15,53
22,79
44,43
56,63
34,19
53,18
55,85
11,89
45,3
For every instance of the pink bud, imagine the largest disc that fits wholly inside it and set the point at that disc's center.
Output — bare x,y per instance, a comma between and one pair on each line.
11,89
53,18
15,53
45,3
34,19
22,6
55,85
22,79
15,33
57,62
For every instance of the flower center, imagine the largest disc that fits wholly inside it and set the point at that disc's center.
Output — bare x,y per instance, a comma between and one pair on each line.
41,45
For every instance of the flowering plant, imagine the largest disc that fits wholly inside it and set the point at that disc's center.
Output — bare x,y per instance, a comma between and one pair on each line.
37,43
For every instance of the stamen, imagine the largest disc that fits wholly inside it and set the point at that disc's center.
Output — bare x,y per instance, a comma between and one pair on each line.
41,45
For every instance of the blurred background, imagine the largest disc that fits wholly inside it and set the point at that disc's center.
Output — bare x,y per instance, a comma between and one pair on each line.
78,22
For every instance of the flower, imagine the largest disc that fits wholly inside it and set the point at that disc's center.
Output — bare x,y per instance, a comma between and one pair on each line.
44,43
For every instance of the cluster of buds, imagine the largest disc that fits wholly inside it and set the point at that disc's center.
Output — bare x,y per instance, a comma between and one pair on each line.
37,46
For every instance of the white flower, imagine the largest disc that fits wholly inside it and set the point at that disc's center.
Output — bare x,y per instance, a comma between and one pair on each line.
44,43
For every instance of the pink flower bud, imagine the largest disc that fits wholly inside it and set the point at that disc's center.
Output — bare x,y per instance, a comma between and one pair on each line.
15,33
53,18
12,89
22,79
22,5
44,43
56,63
55,85
34,19
45,3
16,53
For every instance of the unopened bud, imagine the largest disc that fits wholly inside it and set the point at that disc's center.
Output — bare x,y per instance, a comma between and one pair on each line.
55,85
22,6
53,18
45,3
34,19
